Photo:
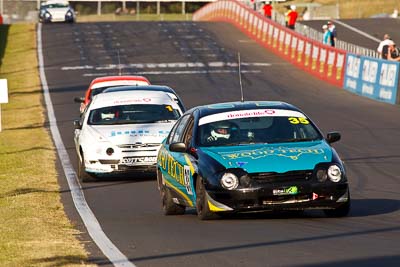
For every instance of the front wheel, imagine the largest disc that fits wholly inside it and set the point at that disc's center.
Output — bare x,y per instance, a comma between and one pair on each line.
202,208
83,176
341,211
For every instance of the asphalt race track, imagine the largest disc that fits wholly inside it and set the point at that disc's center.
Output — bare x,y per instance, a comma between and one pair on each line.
129,209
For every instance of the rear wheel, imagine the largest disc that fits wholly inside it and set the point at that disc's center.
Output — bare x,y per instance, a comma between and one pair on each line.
83,176
159,180
168,205
202,208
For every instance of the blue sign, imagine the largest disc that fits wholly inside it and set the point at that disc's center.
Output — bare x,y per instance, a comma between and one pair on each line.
371,77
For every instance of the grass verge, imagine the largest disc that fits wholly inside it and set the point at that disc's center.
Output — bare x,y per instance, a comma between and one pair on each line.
34,230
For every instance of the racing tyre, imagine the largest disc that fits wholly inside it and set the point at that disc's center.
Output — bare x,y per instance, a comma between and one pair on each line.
168,205
202,208
83,176
342,211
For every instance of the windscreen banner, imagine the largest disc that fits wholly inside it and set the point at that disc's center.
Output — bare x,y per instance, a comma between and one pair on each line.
373,78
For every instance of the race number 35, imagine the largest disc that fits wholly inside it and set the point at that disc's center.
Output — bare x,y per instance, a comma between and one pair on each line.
294,120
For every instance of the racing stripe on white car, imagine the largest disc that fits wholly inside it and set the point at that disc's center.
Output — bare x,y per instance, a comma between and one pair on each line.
89,219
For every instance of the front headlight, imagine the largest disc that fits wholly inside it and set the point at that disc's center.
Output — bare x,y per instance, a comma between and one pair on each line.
47,15
229,181
69,13
334,173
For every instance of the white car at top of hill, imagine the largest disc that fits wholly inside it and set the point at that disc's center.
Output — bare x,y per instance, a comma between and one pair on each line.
122,131
56,11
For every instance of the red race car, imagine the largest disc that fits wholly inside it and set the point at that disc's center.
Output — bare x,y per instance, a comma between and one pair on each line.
98,85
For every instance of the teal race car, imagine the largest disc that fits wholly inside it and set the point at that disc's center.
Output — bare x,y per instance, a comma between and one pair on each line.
250,156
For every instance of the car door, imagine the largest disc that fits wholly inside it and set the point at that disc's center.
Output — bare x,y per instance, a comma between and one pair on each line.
179,167
78,128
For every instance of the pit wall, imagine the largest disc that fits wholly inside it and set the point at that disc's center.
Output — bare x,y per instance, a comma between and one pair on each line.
354,73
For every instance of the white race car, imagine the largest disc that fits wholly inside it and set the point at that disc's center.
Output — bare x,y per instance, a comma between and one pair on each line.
56,11
122,131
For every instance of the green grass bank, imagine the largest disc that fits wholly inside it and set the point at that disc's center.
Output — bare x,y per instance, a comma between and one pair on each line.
34,230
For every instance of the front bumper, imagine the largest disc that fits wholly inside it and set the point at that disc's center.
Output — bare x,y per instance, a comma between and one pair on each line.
125,159
57,18
316,195
99,167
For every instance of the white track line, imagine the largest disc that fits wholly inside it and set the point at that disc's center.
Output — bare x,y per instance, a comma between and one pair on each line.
185,65
168,73
92,225
357,31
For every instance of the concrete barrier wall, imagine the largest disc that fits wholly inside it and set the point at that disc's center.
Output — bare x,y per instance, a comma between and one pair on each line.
325,62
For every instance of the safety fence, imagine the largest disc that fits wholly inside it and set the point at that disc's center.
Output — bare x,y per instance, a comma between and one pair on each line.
325,62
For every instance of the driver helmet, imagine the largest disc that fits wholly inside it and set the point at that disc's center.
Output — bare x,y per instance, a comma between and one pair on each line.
222,130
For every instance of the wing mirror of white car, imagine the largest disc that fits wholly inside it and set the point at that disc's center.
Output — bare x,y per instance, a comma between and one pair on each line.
79,99
333,137
77,124
177,147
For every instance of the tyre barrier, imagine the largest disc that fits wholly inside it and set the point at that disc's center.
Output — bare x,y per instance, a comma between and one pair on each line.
325,62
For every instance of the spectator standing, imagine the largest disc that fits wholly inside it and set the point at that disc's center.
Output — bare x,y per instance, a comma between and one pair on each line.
393,53
267,9
383,46
327,35
332,29
292,17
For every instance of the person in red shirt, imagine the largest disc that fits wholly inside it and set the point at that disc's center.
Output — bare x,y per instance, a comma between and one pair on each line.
292,17
267,8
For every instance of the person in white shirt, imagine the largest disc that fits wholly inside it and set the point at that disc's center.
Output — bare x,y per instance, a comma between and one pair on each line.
384,45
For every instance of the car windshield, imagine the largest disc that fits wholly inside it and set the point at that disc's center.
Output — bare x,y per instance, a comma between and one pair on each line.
131,114
58,5
265,130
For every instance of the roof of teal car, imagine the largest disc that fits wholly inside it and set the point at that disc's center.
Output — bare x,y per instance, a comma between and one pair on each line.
230,106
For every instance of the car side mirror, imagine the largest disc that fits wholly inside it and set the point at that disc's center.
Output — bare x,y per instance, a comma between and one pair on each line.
333,137
77,124
177,147
79,99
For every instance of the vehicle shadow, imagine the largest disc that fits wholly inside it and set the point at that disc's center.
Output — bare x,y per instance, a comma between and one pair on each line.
118,180
387,261
359,208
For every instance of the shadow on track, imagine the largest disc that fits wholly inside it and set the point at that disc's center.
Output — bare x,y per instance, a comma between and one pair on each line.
359,208
387,261
271,244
